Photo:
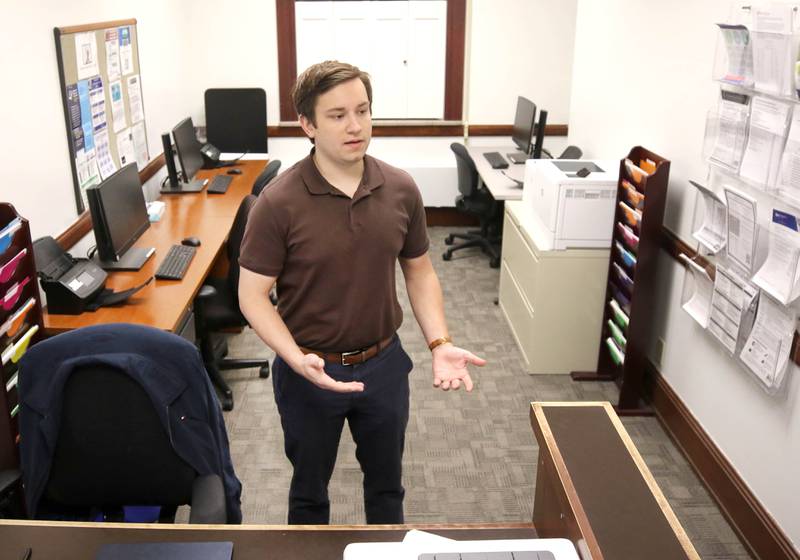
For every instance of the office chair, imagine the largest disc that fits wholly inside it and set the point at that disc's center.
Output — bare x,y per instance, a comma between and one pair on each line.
112,450
479,202
269,173
217,308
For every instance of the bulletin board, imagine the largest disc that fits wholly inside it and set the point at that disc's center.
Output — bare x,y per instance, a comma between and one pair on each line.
101,89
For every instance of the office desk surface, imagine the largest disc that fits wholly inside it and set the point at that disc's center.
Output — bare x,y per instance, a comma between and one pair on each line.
73,541
163,303
501,187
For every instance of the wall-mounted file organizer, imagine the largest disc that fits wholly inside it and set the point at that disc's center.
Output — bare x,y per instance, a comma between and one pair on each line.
627,323
20,322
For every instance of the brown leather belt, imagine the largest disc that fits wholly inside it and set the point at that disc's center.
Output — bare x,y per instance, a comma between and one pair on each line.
353,357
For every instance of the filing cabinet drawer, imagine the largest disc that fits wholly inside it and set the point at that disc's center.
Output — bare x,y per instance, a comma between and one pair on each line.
520,259
517,312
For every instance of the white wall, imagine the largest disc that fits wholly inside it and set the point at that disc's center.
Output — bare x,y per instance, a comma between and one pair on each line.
642,75
37,177
519,47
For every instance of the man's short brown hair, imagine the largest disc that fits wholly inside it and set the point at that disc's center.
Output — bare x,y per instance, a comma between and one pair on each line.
321,77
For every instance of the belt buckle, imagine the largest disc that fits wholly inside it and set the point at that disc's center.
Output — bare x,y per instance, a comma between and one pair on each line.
351,353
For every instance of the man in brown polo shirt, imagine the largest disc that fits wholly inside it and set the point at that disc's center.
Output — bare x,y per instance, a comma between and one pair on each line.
330,231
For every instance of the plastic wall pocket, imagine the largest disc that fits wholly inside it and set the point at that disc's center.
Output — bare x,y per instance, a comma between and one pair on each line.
632,217
624,280
7,270
617,355
15,351
13,294
632,196
13,324
628,258
636,173
616,334
621,298
7,234
630,238
619,315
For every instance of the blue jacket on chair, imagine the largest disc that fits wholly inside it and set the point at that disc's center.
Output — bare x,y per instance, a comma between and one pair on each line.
166,366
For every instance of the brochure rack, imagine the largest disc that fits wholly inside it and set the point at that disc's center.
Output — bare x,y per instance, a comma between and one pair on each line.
630,292
20,322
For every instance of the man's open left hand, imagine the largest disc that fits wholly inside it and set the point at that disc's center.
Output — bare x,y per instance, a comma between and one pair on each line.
450,367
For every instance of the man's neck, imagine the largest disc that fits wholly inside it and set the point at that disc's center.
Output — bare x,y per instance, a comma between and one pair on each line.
346,178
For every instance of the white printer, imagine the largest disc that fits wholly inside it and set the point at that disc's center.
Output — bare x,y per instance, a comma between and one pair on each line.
573,200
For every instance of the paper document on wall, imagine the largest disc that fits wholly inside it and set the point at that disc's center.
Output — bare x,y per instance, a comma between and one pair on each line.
768,123
712,232
779,276
135,98
140,144
739,54
112,54
698,305
789,178
86,55
125,147
104,159
731,298
117,106
766,351
731,128
773,54
741,230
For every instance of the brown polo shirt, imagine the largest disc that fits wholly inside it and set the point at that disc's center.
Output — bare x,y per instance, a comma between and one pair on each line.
335,257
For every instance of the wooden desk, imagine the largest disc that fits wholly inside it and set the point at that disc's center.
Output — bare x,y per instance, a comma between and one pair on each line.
501,187
163,304
593,487
81,541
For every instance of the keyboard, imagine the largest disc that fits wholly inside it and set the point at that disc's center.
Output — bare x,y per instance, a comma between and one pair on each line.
496,160
174,265
513,555
219,184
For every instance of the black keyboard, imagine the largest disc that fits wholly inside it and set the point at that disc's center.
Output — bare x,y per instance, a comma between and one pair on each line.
219,184
496,160
174,265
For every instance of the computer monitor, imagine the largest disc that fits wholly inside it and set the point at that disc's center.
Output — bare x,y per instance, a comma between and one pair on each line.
188,148
119,218
538,146
522,131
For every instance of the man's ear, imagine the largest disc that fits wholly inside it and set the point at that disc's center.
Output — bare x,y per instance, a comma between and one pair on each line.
307,126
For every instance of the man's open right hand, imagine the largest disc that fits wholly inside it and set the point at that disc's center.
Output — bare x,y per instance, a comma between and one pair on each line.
312,367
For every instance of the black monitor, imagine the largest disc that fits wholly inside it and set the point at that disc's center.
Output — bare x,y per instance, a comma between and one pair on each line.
538,146
188,148
119,218
522,131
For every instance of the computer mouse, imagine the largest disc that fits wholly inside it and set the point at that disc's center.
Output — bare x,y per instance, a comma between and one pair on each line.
234,171
191,241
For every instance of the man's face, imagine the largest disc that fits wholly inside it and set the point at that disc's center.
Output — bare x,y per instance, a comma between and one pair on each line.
343,126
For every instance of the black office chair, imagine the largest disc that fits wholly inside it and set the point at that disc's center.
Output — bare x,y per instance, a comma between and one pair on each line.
112,450
479,202
217,308
269,173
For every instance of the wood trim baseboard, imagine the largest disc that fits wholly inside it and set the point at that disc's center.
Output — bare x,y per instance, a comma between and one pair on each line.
449,217
78,229
505,130
755,527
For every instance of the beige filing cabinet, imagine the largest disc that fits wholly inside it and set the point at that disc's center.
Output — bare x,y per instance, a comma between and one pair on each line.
553,300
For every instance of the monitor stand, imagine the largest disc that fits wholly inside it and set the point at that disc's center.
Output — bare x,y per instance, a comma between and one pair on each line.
517,157
195,186
133,259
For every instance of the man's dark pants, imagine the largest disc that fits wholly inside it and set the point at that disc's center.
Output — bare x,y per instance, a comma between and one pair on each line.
312,420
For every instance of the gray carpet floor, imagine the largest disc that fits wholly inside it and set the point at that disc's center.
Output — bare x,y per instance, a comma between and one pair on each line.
470,457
